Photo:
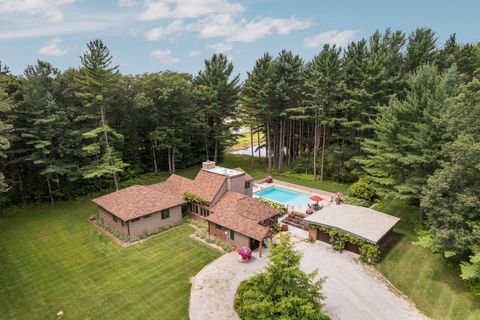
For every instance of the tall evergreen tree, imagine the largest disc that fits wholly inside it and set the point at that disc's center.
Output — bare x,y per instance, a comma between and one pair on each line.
256,98
288,93
6,104
220,96
421,48
47,125
97,78
408,138
325,87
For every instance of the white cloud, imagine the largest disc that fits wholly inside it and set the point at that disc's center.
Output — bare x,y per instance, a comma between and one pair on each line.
225,25
265,26
81,26
338,38
127,3
181,9
49,9
51,48
164,56
162,32
220,47
195,53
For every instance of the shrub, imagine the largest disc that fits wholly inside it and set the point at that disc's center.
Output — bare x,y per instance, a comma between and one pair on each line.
356,201
282,209
301,165
362,189
283,291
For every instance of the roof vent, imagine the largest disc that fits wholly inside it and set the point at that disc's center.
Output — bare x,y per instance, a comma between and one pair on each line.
208,165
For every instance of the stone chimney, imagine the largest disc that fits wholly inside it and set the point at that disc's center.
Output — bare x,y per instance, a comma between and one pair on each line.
208,165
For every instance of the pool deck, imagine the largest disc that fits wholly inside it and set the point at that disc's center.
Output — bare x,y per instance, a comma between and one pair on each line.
295,187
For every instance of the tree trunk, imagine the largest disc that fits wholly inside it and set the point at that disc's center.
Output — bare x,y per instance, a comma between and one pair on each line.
154,157
421,216
323,150
215,154
206,149
258,142
169,160
105,135
251,144
174,149
269,156
315,146
49,190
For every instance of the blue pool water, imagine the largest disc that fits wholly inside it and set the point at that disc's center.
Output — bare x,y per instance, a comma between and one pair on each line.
285,196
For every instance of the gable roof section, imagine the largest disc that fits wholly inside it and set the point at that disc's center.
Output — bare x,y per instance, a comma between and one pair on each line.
229,218
136,201
242,214
207,185
174,186
365,223
247,176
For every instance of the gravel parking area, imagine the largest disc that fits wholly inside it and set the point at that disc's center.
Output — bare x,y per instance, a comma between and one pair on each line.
353,290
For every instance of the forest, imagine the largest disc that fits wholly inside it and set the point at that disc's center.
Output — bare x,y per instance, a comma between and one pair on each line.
399,110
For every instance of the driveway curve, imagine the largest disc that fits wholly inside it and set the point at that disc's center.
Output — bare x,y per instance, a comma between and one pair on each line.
353,290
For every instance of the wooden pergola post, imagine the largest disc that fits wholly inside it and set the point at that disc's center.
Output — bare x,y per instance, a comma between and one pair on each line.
260,250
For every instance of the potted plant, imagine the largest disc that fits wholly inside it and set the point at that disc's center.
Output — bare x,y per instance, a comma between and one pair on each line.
269,179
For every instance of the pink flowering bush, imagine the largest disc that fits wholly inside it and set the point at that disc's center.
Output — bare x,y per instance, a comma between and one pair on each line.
245,253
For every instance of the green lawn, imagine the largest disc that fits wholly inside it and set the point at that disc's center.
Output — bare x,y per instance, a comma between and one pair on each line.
425,278
52,259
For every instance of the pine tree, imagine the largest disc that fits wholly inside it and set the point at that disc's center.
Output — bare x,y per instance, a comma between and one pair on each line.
283,291
408,138
325,87
6,104
47,125
256,97
421,48
220,94
288,93
97,78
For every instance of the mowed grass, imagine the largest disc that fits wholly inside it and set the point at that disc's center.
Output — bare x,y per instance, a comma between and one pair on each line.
434,287
52,260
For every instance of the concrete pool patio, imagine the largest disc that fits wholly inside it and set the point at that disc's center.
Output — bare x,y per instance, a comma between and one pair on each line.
353,290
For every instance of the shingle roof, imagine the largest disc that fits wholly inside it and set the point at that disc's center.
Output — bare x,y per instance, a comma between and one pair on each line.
242,213
136,201
207,185
247,176
230,219
175,186
363,222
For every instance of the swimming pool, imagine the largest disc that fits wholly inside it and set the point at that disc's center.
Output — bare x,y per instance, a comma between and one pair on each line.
285,196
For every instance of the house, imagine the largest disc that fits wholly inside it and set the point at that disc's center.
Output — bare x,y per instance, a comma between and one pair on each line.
364,223
219,197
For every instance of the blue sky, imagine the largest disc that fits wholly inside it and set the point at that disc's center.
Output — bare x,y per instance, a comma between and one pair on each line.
155,35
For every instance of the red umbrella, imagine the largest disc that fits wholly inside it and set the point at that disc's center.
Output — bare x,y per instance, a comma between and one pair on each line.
316,198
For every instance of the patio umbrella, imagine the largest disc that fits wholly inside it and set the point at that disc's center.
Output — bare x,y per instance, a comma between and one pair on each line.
316,198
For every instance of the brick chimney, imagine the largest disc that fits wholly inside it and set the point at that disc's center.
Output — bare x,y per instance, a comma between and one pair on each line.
208,165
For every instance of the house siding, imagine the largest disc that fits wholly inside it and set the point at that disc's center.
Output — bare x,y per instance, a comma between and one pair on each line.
153,223
239,240
217,233
237,184
107,218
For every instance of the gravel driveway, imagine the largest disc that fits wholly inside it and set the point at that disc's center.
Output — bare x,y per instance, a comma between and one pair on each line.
353,291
